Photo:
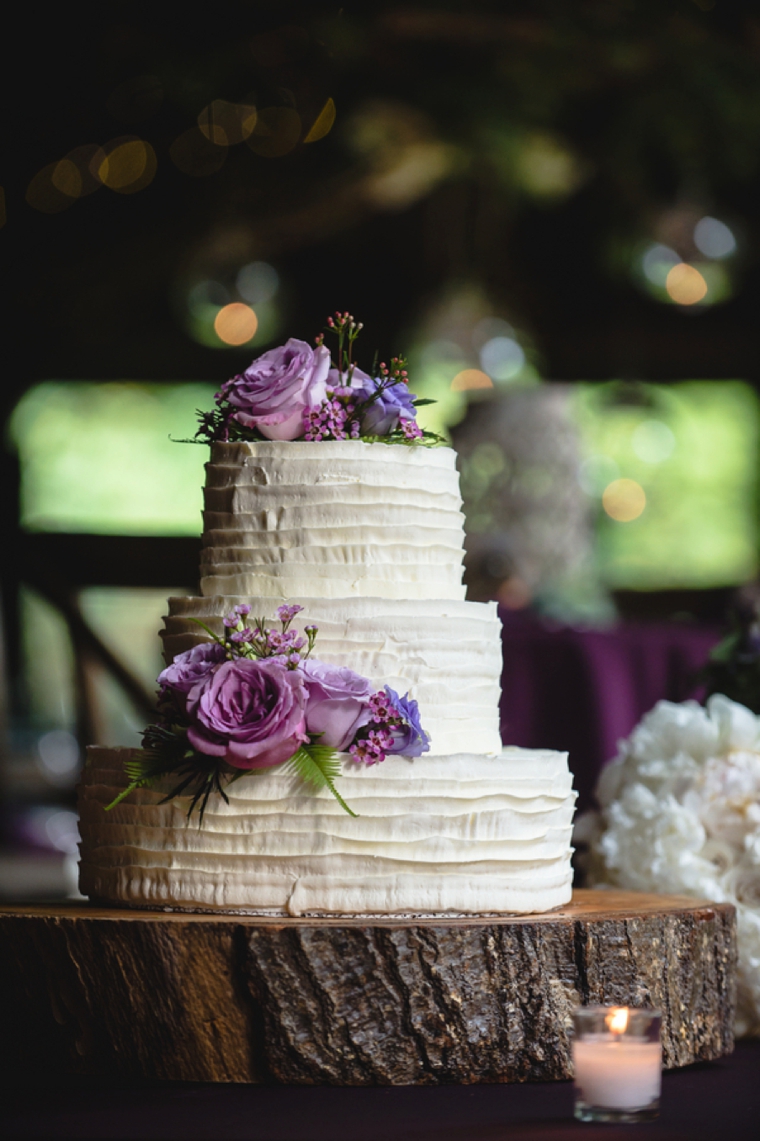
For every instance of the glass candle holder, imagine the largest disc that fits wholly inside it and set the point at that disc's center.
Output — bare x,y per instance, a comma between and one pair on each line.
617,1057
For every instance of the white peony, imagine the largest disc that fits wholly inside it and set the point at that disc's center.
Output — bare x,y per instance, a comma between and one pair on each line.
680,813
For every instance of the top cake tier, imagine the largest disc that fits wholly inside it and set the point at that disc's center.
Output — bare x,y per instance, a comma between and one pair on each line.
332,520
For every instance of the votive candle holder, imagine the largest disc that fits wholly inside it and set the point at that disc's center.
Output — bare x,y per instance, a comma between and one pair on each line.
617,1058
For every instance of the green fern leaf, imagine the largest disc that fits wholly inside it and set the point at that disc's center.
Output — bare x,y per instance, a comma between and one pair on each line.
319,766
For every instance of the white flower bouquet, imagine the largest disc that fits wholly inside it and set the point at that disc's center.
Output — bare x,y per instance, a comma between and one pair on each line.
680,813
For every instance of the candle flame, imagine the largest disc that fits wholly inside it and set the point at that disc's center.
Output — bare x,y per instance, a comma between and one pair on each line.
617,1019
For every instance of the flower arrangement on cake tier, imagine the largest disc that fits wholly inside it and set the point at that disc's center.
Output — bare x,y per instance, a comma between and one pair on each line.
295,392
680,812
255,698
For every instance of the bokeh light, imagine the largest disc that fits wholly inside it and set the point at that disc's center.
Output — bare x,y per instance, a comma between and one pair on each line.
42,194
596,473
653,441
193,154
657,262
87,159
713,238
322,124
546,167
236,323
685,284
469,379
624,500
206,295
502,358
276,132
59,184
257,282
58,752
67,178
488,328
231,309
129,165
227,124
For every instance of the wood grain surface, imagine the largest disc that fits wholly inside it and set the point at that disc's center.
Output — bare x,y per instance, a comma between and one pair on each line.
233,998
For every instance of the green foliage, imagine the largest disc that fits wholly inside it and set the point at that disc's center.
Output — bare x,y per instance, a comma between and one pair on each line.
93,455
734,665
319,766
699,526
166,751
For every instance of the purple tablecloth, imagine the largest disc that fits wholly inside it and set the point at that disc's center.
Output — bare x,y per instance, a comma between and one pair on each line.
583,690
711,1101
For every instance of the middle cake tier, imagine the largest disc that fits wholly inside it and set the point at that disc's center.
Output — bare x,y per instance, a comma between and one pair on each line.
446,653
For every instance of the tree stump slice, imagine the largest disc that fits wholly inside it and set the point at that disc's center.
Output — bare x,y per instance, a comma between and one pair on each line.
229,998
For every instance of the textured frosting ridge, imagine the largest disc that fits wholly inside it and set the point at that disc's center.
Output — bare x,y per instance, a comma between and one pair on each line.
280,519
368,538
432,836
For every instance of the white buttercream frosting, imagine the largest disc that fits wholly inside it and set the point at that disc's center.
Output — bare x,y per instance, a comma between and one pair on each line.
432,835
368,538
357,519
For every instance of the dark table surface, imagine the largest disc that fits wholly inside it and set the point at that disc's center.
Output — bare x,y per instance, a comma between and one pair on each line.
710,1100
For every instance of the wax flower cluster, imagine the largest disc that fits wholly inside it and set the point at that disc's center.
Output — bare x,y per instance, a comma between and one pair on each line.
298,392
253,697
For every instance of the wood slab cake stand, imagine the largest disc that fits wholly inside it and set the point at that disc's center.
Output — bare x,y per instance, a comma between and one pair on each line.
228,998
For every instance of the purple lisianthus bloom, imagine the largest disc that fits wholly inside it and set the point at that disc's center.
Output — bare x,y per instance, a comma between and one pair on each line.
338,702
393,404
250,713
191,667
275,390
409,738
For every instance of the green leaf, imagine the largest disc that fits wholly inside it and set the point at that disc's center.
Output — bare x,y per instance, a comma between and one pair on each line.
125,793
219,641
422,401
319,765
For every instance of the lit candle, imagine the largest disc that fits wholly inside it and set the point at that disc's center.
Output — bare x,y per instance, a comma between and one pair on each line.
618,1062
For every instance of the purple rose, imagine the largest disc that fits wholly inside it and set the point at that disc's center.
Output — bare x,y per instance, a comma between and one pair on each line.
250,713
338,702
191,667
409,739
383,414
275,390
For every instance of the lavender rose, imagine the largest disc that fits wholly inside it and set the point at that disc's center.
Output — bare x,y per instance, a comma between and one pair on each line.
250,713
191,667
409,739
275,390
338,702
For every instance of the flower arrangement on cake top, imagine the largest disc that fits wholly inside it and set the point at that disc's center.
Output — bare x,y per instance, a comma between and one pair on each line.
295,392
254,699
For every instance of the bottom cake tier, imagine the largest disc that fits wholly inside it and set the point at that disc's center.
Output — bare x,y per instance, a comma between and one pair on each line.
460,835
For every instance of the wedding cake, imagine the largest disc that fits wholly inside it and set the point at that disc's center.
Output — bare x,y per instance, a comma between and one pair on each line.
367,538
